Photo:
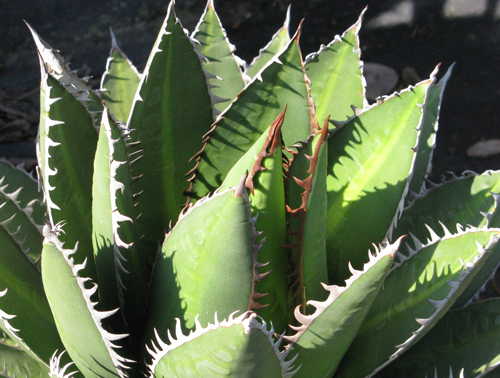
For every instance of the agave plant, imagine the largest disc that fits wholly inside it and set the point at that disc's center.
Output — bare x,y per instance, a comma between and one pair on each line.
210,218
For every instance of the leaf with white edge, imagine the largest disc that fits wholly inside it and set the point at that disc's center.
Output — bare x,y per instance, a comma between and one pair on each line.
123,274
15,363
67,145
366,184
240,347
336,74
278,42
468,199
199,272
306,209
415,295
427,144
467,338
93,349
171,112
119,82
225,77
280,84
324,336
264,164
53,64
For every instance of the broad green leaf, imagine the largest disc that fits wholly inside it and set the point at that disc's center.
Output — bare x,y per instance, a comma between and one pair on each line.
336,76
279,41
90,346
119,82
429,127
419,290
117,244
227,80
264,164
239,347
170,114
369,161
280,84
15,363
206,264
465,200
467,338
306,208
67,146
325,335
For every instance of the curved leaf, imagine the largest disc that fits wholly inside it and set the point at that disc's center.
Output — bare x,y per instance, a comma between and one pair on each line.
416,294
366,183
239,347
324,336
198,272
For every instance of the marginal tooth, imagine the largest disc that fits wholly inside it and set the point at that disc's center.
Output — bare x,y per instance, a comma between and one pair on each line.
480,248
438,304
454,284
351,269
422,321
447,233
301,318
418,244
434,237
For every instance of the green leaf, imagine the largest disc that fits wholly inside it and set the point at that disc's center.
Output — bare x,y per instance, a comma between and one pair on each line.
226,79
199,272
119,82
67,146
461,200
53,64
171,112
239,347
419,290
323,337
336,76
280,84
366,183
117,244
279,41
91,347
15,363
429,127
306,208
264,164
468,338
